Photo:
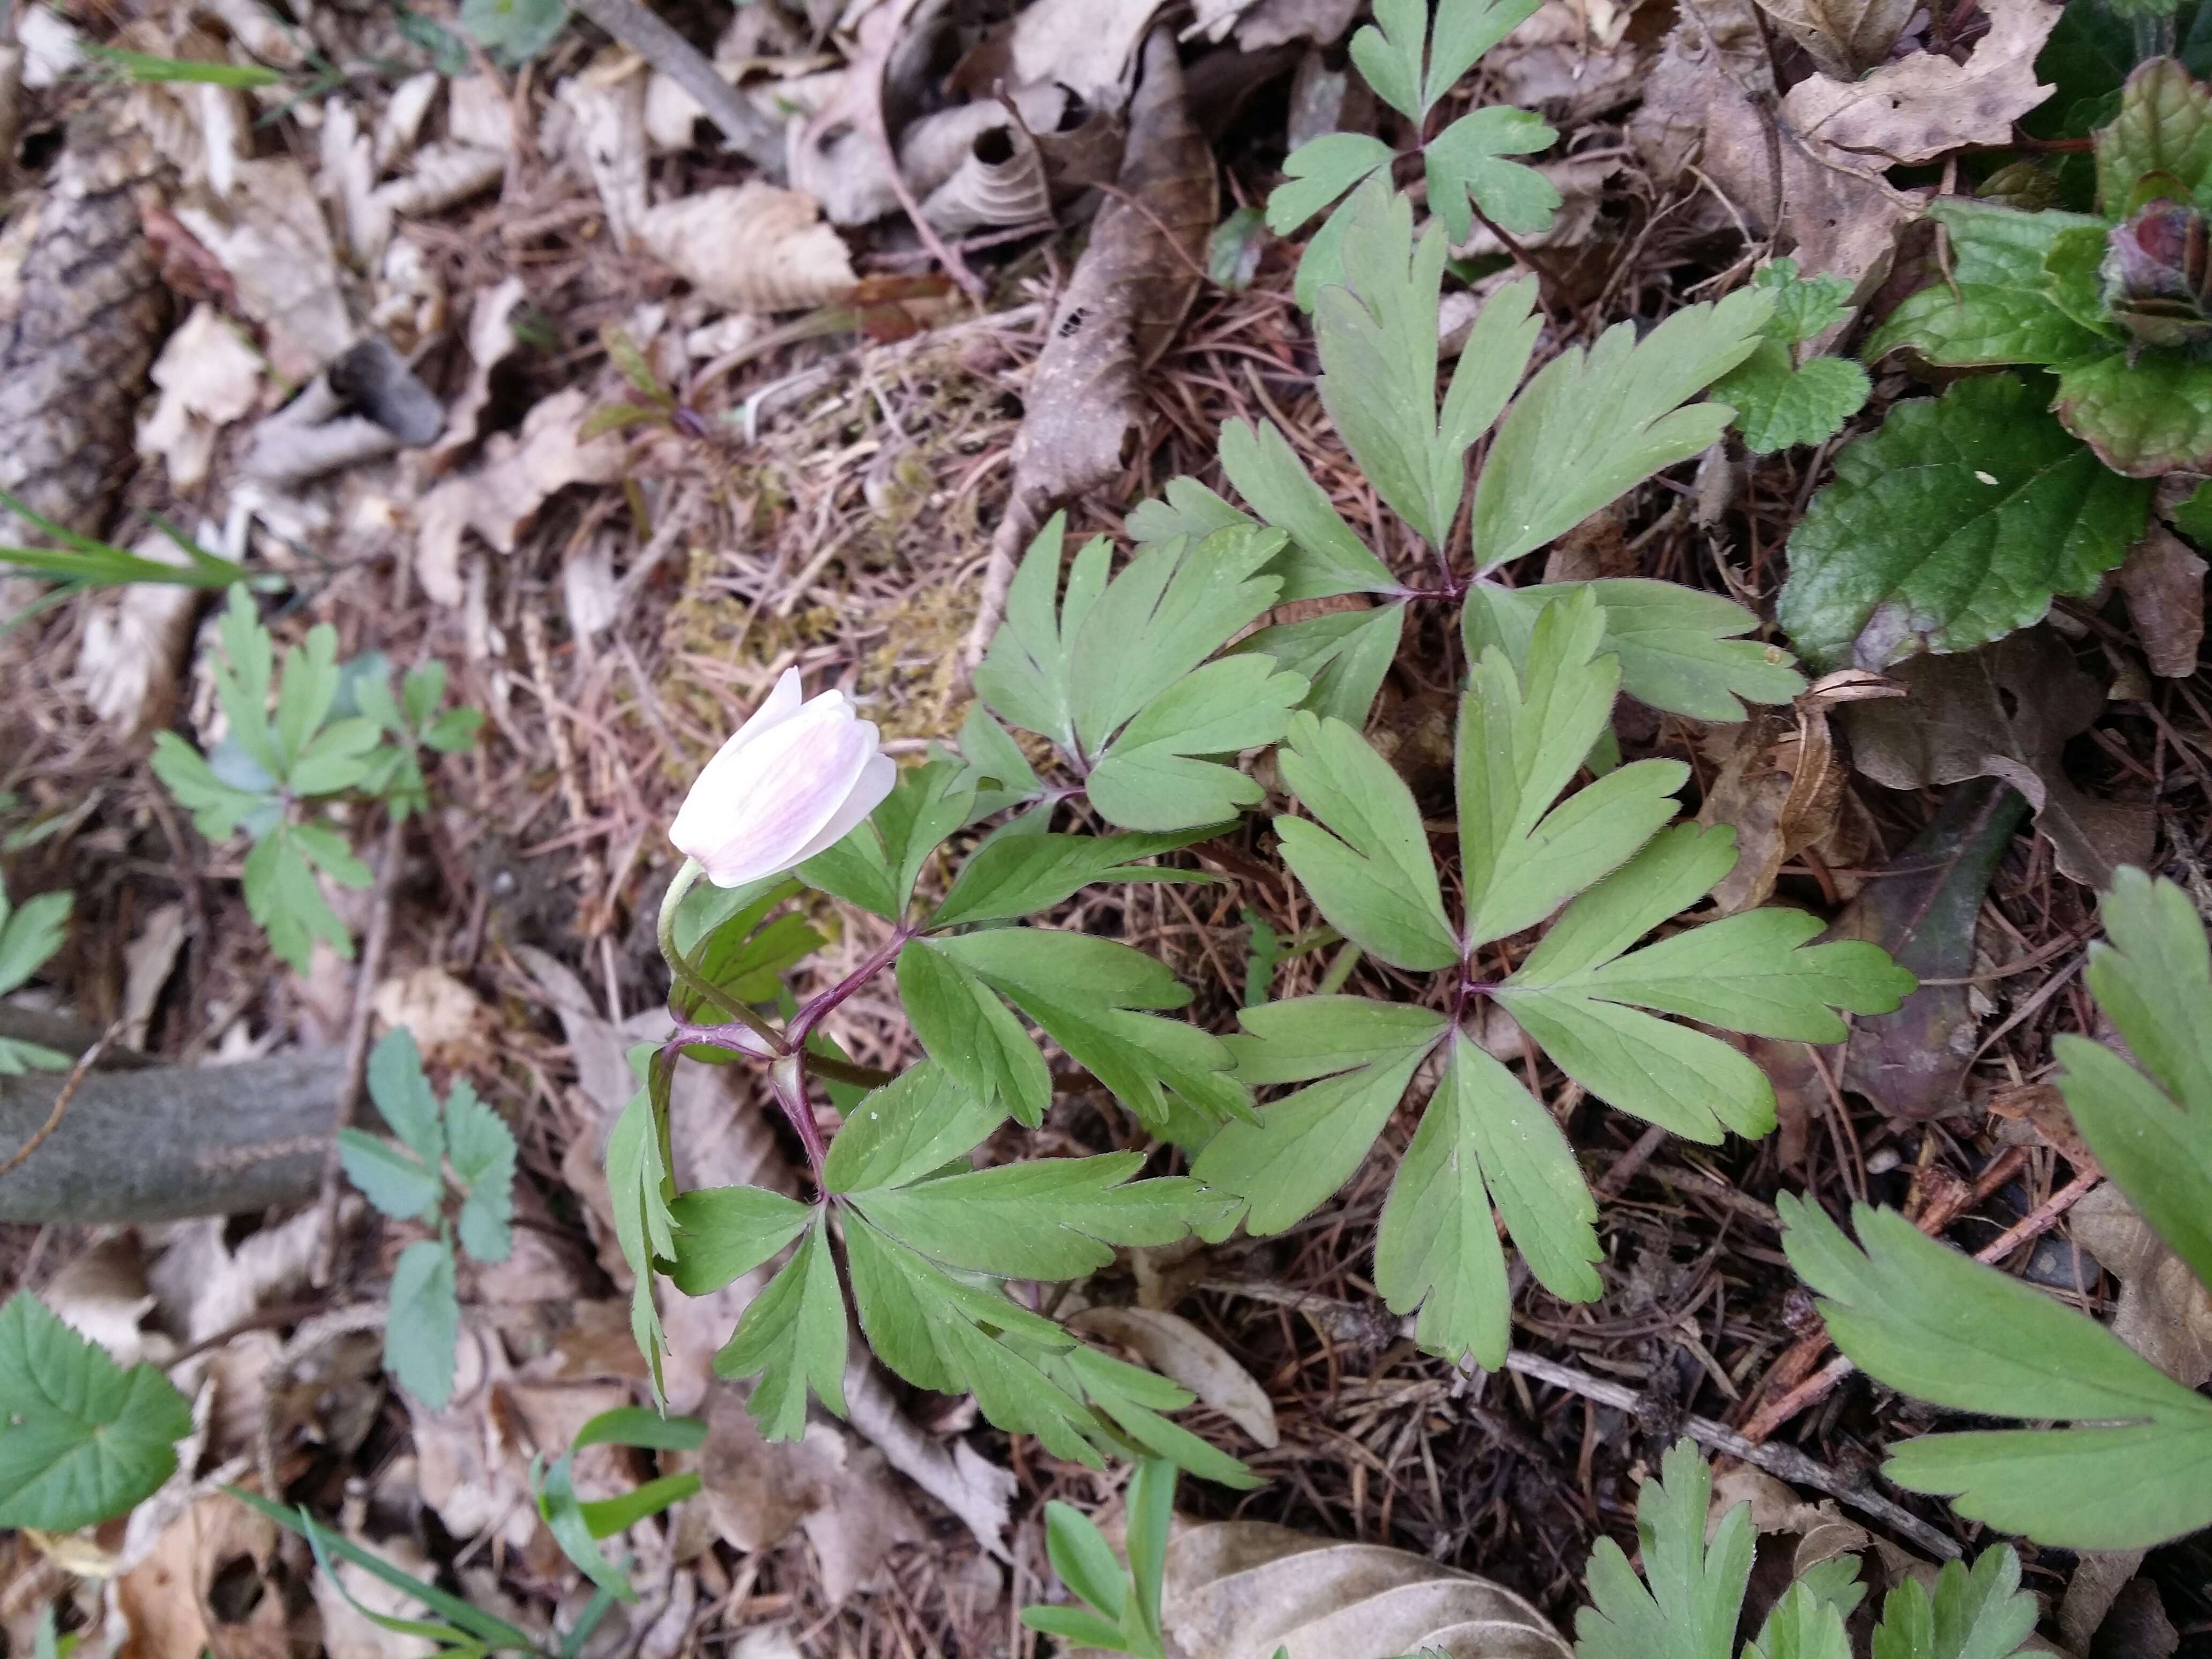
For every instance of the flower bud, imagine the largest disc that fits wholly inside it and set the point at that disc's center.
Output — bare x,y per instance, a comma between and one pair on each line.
794,781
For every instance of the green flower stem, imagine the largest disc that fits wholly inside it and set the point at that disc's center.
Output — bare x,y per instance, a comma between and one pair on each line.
689,977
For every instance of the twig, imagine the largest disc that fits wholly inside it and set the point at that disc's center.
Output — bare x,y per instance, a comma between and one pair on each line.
1782,1461
356,1048
85,1062
757,138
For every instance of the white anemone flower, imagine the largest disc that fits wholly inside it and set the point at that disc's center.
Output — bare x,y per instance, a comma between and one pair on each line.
794,781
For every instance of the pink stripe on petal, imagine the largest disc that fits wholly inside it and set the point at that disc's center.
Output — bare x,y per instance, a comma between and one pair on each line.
780,791
875,782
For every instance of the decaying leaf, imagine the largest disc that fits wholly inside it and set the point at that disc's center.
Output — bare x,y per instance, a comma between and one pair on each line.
1259,24
1922,910
1085,45
449,1022
1182,1353
208,378
2165,1311
131,663
274,244
1704,105
1781,786
1572,58
1121,307
751,247
607,137
350,1633
1916,109
1844,38
164,1599
502,493
2164,581
1000,181
1241,1588
491,341
2005,711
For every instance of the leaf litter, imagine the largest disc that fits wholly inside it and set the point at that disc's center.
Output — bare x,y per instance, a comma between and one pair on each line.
857,466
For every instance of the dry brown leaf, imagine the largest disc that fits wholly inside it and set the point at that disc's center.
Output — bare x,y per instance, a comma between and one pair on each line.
1917,108
132,661
1121,307
931,151
444,173
1285,22
840,154
1574,58
2005,711
1844,38
607,141
350,1633
2041,1111
1705,124
491,341
502,495
2165,1311
1922,910
1000,182
449,1022
164,1598
1781,786
1085,45
750,247
208,378
1182,1353
272,241
102,1295
1238,1589
147,962
2164,581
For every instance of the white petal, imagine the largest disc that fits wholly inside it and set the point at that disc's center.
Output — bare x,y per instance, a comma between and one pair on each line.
774,797
875,781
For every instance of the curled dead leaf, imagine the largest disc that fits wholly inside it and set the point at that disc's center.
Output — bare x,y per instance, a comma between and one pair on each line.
2164,581
275,246
751,247
1241,1587
1000,182
2005,711
1921,105
1781,784
1844,38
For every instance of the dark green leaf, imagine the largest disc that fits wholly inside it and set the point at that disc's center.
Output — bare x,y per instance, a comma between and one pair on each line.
1953,525
81,1440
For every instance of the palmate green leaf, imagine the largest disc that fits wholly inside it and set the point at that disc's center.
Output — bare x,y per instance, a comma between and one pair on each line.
1307,1144
1185,507
1464,163
1015,876
1390,53
1325,556
913,1126
1931,1322
1461,32
1084,1559
1171,607
1591,426
1002,774
792,1335
1366,862
219,807
424,1322
876,865
1679,649
1952,526
1801,1626
30,933
1090,995
2152,1128
1377,339
1484,1139
1156,774
723,1233
1695,1590
1025,676
243,676
1981,1613
969,1032
1318,171
1049,1219
283,895
1132,1399
81,1440
1521,740
1343,654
